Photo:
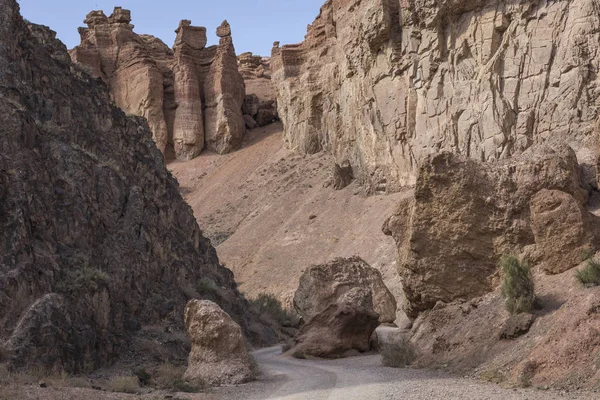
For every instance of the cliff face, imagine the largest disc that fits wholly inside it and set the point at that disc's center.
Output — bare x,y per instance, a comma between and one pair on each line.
383,83
95,239
178,90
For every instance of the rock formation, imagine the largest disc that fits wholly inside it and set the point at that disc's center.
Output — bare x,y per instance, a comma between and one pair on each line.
384,84
219,355
465,215
192,95
253,67
322,285
342,328
95,239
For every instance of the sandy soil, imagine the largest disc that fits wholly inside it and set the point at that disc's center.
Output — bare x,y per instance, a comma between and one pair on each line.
272,214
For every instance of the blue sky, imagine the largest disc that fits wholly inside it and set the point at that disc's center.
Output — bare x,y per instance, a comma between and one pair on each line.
255,24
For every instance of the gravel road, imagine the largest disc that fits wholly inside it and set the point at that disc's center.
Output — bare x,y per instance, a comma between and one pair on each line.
363,378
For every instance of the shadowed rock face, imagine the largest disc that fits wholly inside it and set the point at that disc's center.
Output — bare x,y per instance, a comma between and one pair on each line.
465,215
95,239
192,95
385,83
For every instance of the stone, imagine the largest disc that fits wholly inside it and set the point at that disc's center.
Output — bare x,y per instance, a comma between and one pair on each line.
224,29
464,215
385,84
219,355
342,175
341,329
516,325
190,94
253,66
267,113
251,105
250,122
94,233
563,230
323,285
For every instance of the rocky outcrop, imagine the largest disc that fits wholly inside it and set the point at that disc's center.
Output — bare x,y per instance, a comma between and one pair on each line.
219,355
383,84
465,215
563,230
95,239
342,328
323,285
253,67
191,95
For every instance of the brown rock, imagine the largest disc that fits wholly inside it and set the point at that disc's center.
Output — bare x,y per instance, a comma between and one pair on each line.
95,238
563,230
516,325
431,76
219,355
342,175
252,66
170,88
341,328
323,285
251,104
465,215
250,122
224,29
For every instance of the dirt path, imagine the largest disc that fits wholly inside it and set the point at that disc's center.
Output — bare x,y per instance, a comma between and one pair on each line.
365,378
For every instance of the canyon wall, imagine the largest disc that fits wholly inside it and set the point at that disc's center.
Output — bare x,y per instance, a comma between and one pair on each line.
96,242
192,95
381,84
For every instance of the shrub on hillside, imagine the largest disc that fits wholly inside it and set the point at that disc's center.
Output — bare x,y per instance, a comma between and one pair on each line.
267,304
590,274
517,286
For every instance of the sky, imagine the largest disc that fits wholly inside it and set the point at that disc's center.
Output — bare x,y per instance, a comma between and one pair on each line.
255,24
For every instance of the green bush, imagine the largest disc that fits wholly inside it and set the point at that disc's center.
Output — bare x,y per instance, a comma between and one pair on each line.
590,274
268,304
517,286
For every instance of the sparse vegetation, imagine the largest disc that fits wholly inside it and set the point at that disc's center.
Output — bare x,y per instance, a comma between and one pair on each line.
170,377
85,279
206,285
397,352
517,287
590,274
267,304
125,384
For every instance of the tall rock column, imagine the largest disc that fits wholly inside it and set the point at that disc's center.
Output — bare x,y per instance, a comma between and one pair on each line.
224,92
188,127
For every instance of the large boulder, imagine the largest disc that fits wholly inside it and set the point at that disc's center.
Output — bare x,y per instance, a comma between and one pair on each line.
341,329
465,215
219,355
323,285
563,229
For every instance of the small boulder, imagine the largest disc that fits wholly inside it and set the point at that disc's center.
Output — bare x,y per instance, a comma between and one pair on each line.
322,285
219,355
342,175
251,104
343,328
224,29
516,325
250,122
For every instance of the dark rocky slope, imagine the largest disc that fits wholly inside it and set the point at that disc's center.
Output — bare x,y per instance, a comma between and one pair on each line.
95,239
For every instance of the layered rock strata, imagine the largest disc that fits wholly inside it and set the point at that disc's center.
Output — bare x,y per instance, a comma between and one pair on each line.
383,84
191,95
95,239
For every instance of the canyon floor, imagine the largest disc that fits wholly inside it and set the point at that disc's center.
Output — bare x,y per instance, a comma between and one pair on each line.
272,213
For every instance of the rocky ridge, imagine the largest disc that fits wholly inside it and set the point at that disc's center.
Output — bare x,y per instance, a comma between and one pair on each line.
192,95
382,84
96,241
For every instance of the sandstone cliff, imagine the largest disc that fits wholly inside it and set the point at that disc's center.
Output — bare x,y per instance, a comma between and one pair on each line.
383,83
95,239
192,95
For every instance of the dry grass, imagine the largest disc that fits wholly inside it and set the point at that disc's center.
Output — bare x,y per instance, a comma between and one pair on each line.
124,384
590,274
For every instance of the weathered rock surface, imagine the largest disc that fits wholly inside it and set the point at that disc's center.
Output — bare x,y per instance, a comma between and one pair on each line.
563,230
384,84
465,214
191,95
95,239
253,67
219,355
341,328
323,285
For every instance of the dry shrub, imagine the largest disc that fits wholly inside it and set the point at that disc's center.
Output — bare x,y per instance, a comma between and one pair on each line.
397,352
124,384
269,305
590,274
517,285
170,377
